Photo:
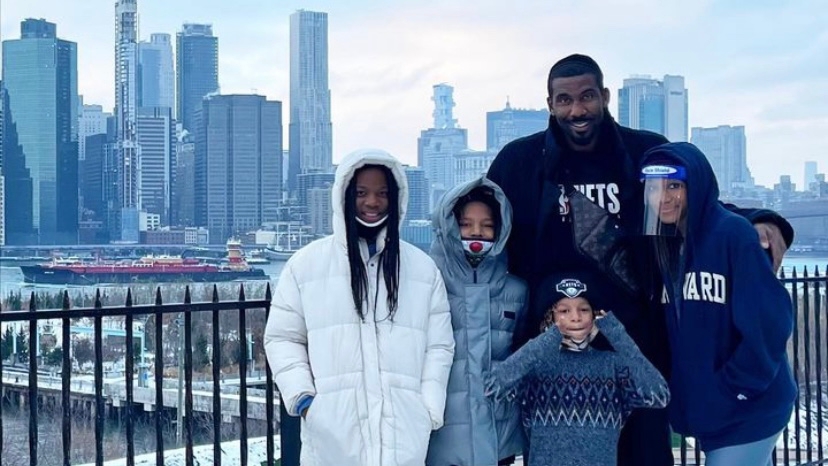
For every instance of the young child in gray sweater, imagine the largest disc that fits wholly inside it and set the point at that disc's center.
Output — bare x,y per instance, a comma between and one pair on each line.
579,380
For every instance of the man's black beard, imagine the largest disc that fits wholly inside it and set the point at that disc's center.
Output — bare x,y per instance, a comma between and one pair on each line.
601,138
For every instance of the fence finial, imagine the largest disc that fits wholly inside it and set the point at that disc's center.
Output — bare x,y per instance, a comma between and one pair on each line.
215,293
66,303
129,298
158,300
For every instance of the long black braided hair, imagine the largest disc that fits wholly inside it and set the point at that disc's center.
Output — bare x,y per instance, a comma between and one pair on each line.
390,255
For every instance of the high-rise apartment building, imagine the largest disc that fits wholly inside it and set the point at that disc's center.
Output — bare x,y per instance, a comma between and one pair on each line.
2,209
92,121
504,126
40,72
156,137
418,205
17,209
810,174
100,187
471,164
437,146
320,212
312,180
238,150
726,149
126,106
310,132
184,187
156,74
99,155
196,56
2,187
653,105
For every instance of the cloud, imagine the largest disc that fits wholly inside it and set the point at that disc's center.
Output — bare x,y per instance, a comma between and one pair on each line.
760,64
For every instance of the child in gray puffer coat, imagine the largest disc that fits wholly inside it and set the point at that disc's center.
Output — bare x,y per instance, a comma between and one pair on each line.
579,380
472,224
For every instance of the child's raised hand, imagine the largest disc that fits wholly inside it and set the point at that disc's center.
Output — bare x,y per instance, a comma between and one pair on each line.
600,314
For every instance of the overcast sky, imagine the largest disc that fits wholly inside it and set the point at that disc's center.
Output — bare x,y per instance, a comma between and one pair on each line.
758,63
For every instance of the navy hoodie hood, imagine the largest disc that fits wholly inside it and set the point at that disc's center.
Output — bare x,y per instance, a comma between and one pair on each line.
728,316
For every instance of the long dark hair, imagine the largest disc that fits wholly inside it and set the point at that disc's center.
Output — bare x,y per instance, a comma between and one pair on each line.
669,256
390,255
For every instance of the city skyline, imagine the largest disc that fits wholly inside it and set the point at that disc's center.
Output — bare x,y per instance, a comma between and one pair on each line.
380,88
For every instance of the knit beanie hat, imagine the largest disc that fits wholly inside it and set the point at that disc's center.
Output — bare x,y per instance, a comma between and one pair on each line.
568,285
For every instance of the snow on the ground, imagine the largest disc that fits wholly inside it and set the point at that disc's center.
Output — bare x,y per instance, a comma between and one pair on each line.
203,454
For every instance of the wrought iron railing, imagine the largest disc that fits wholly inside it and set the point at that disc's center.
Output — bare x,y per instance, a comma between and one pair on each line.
804,441
34,392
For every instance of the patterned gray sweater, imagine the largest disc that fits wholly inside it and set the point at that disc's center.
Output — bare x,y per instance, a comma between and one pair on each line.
575,403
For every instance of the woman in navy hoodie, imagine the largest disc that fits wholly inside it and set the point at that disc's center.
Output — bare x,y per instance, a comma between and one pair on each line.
728,316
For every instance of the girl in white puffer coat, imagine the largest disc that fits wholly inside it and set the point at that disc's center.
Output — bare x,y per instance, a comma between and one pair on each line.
359,337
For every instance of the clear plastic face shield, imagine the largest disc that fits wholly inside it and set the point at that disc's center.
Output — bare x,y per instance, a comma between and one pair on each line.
665,199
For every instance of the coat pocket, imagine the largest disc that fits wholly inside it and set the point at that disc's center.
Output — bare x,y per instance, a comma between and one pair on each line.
333,430
714,408
412,427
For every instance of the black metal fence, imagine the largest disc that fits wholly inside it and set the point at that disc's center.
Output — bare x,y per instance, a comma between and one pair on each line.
36,395
804,441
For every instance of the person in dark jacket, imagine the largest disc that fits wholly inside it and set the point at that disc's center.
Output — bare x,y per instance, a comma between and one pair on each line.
729,317
472,224
576,200
578,381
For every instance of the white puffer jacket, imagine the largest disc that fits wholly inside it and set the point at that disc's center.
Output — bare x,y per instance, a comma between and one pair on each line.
379,385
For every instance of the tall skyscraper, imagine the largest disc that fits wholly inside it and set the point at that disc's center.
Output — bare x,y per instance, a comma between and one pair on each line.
2,187
92,188
320,212
17,209
653,105
726,149
156,76
310,133
418,205
156,137
92,121
810,174
126,106
196,56
40,72
504,126
183,189
437,146
100,187
238,145
676,120
2,209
